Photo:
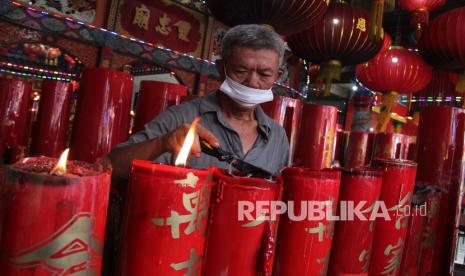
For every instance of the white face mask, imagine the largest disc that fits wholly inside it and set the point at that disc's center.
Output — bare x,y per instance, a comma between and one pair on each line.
244,95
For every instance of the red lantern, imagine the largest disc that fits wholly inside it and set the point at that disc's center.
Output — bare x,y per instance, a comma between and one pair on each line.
341,37
420,9
286,16
394,71
443,46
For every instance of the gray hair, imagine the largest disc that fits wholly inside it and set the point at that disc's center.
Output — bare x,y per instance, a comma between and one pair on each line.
252,36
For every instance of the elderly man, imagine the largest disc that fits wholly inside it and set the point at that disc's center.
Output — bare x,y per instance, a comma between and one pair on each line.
231,118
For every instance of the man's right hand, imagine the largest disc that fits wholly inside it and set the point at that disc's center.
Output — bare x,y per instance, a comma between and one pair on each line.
174,140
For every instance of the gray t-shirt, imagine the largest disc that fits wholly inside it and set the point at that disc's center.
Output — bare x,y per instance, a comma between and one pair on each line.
270,151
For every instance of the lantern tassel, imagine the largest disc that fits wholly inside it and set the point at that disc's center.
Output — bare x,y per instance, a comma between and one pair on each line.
420,18
389,5
376,20
460,85
329,71
389,102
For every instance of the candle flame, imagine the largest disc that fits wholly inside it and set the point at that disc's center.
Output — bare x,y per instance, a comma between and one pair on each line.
181,160
60,167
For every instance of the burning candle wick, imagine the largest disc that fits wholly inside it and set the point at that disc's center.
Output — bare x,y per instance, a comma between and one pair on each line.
60,168
181,160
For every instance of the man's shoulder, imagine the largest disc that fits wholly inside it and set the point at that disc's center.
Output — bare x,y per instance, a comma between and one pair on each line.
186,110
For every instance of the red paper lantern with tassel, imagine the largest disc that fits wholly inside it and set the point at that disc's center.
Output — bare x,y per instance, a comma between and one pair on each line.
444,47
420,9
286,16
340,38
394,71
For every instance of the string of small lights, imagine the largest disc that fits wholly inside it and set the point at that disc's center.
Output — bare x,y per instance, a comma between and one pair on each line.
36,70
32,75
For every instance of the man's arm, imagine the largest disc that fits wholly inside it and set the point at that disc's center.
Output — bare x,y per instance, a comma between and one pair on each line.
121,157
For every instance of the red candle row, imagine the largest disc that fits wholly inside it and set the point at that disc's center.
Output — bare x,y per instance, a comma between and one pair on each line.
168,231
181,220
102,114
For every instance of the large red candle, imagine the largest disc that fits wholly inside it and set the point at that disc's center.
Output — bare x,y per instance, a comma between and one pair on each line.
51,126
102,113
396,193
14,101
154,97
304,245
287,112
316,140
53,225
411,255
454,196
358,150
234,246
435,145
440,156
353,239
430,232
391,146
164,228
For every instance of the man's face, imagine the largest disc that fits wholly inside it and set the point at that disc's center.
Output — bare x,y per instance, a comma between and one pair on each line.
253,68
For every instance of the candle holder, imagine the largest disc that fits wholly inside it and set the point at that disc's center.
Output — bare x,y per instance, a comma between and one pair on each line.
52,224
